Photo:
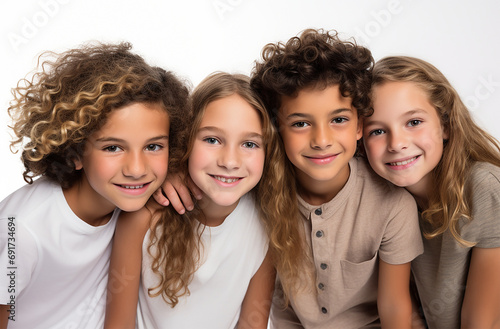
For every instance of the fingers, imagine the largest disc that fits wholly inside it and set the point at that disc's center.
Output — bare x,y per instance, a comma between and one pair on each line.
172,193
160,198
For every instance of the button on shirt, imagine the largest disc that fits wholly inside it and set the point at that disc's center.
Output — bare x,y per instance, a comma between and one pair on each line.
369,218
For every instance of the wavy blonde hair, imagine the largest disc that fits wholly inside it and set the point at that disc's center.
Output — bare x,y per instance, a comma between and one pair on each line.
176,245
467,143
71,96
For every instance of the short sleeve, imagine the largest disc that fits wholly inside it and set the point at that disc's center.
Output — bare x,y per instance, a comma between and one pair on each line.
402,240
18,258
484,229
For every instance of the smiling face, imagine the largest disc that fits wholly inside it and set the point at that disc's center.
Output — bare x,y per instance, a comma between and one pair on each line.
319,129
125,161
227,157
404,136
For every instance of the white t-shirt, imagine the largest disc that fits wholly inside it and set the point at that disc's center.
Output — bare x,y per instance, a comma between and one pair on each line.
233,253
58,264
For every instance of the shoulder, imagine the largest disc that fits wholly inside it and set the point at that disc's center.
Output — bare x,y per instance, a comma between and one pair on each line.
484,174
29,195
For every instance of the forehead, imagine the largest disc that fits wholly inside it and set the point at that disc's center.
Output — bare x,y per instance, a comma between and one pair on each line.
231,113
314,99
127,119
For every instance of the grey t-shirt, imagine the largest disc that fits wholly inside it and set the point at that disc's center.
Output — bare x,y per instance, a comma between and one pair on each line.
441,271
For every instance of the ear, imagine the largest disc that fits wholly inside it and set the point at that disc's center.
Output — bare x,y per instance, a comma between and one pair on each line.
78,164
359,131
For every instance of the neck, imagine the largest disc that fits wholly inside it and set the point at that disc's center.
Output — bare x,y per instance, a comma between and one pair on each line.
88,207
421,192
319,192
214,214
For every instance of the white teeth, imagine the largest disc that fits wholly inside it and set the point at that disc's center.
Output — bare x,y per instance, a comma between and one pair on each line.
133,187
402,163
226,180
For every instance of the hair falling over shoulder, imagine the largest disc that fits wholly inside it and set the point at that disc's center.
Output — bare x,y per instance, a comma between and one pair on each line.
176,247
467,143
71,96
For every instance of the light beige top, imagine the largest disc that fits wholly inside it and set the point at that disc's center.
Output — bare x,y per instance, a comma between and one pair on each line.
367,220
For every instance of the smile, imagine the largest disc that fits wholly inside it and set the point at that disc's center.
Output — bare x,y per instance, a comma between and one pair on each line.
402,163
322,159
132,187
226,180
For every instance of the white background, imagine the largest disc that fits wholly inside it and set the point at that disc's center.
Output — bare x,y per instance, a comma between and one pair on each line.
195,38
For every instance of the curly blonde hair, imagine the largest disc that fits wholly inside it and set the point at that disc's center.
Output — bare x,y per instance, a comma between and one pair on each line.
467,143
71,97
176,245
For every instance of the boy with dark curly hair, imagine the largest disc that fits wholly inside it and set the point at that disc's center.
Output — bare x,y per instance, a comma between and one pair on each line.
95,126
361,232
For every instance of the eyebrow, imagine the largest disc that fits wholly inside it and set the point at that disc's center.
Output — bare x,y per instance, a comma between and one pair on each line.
119,140
220,131
306,115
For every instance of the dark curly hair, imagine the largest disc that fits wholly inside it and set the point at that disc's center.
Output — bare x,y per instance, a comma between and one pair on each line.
315,58
72,96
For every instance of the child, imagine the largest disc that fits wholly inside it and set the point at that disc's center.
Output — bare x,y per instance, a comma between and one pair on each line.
209,268
95,124
361,232
422,137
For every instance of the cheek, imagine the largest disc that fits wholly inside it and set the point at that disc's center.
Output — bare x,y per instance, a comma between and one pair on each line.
291,142
99,167
373,147
160,166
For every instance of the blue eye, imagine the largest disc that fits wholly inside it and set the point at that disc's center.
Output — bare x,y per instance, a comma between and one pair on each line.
250,145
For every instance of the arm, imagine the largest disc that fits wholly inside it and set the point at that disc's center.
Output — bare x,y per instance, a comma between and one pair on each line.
125,269
480,308
175,191
257,302
393,300
4,316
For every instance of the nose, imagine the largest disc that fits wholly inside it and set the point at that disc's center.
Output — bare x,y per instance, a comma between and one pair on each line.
397,141
322,137
135,165
229,158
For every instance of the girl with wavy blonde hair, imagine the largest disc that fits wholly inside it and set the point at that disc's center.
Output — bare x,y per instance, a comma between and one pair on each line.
93,126
422,137
212,267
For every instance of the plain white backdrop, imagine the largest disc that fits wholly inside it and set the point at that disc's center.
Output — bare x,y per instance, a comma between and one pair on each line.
195,38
